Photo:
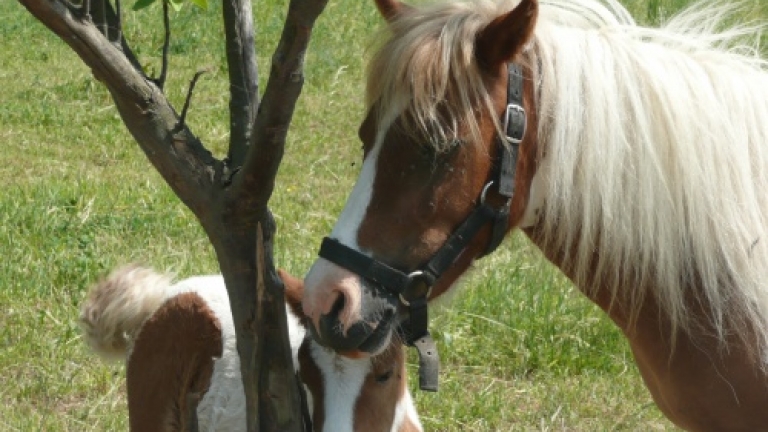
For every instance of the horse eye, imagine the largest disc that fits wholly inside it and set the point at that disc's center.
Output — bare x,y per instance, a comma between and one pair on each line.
447,148
381,379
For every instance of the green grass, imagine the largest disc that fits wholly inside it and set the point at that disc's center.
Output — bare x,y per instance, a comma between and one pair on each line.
521,349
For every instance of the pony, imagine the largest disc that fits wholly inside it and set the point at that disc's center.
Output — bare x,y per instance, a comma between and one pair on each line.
634,158
178,342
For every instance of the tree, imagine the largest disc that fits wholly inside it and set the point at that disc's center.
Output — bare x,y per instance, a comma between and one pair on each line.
229,197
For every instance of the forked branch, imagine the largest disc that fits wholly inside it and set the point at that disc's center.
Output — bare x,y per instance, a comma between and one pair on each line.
255,184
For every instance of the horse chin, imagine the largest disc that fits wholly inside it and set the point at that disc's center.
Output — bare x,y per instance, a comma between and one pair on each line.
355,355
371,347
362,339
376,344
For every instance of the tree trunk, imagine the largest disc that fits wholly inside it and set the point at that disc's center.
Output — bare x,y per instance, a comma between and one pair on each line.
228,197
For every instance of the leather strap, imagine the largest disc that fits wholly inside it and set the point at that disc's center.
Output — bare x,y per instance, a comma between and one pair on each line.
363,265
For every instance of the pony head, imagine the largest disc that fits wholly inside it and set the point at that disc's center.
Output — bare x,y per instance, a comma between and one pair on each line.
437,94
362,394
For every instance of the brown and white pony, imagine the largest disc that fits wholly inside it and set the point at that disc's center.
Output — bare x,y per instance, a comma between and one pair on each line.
179,340
642,175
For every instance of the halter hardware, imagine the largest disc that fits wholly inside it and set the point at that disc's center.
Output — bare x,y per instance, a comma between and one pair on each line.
419,285
413,289
515,115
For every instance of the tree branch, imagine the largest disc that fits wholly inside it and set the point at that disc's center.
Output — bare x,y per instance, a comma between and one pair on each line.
180,158
182,118
254,186
106,18
160,81
243,77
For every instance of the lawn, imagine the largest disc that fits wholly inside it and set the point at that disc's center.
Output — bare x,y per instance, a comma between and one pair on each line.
521,348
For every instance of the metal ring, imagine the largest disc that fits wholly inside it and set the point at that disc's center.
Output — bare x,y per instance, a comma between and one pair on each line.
413,275
485,191
406,303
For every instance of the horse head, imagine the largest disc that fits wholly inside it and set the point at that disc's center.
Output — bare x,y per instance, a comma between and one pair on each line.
433,143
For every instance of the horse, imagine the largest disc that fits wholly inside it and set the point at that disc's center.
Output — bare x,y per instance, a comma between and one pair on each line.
634,158
178,342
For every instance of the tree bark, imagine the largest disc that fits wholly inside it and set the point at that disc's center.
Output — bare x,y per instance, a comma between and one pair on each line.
228,197
243,77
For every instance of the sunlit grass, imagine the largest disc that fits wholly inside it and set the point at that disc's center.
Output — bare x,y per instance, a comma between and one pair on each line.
521,349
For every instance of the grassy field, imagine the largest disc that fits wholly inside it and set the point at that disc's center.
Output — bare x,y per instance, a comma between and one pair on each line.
521,349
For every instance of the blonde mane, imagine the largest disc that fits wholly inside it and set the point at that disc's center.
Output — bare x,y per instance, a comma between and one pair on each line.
655,153
653,145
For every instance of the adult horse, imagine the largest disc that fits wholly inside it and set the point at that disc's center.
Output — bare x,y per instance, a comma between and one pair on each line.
178,342
635,158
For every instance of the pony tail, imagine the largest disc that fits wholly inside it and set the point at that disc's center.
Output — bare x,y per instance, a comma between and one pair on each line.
117,307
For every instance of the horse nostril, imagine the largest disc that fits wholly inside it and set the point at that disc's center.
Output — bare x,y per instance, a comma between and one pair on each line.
338,305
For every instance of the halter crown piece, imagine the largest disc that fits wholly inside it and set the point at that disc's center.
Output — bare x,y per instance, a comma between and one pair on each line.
413,288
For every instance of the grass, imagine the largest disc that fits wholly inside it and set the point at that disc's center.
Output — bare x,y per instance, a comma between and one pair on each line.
521,350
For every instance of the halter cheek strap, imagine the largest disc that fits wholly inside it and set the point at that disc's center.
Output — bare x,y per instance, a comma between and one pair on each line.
413,289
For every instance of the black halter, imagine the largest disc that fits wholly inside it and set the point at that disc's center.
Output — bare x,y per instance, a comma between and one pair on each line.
413,289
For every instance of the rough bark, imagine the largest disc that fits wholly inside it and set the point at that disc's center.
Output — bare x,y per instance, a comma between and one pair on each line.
228,197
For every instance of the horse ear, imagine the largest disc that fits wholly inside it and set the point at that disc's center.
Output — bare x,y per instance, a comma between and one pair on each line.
391,9
294,292
504,38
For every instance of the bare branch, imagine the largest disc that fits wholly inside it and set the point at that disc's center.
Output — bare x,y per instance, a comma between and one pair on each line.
180,125
243,77
160,81
119,24
86,8
254,186
101,15
107,18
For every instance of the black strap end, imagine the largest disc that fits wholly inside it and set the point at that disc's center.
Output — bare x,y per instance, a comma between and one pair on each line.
429,363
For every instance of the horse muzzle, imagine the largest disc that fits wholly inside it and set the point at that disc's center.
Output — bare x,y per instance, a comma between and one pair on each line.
370,335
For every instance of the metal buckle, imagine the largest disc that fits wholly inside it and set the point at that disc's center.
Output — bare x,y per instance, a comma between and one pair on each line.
507,116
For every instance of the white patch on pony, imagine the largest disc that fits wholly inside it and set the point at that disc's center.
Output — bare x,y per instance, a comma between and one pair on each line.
405,410
223,406
351,217
343,380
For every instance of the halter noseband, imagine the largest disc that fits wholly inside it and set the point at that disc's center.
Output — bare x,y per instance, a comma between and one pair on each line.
413,289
